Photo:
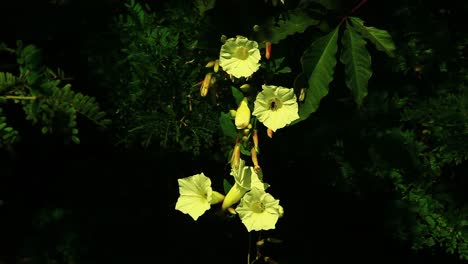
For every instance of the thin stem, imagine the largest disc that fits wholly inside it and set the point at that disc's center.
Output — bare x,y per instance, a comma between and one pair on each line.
250,245
355,8
13,97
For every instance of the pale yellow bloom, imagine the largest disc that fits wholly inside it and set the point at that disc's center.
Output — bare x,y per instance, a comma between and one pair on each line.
239,57
259,210
196,195
276,107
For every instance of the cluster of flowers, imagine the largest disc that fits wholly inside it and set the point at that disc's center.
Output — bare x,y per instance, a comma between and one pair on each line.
275,107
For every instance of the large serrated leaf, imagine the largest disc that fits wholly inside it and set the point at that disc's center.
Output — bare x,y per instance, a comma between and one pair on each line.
318,66
298,22
357,62
380,38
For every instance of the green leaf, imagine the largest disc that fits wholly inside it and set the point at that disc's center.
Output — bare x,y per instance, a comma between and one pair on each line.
227,126
357,62
380,38
75,139
204,5
238,95
285,70
226,186
318,66
298,22
430,242
244,150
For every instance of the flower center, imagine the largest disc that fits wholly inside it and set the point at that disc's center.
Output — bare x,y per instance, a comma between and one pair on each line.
258,207
242,53
275,104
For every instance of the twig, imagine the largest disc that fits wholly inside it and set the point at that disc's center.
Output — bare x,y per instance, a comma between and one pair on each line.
13,97
354,9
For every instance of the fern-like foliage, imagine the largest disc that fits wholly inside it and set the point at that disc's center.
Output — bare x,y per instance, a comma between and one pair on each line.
153,94
8,135
442,123
47,101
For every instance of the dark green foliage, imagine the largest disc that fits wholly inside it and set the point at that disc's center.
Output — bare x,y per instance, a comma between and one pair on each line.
47,101
8,135
153,80
442,123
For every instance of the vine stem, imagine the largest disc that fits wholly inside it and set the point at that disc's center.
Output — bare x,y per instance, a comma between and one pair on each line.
13,97
354,9
358,6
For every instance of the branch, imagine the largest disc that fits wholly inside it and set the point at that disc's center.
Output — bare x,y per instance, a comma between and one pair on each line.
13,97
354,9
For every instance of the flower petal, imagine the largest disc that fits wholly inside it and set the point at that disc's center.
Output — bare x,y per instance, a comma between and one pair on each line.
193,206
195,195
281,116
239,67
251,217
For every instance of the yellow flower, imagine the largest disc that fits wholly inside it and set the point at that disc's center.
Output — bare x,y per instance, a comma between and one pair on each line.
259,210
242,119
196,195
239,57
276,107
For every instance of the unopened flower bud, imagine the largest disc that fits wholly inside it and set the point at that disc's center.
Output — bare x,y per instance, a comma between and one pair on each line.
268,50
232,113
213,80
245,87
270,133
205,85
302,95
255,140
256,28
216,66
210,64
242,119
236,153
253,154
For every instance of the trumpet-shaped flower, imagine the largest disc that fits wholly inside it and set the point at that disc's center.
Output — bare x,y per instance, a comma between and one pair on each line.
196,195
239,57
259,210
276,106
245,178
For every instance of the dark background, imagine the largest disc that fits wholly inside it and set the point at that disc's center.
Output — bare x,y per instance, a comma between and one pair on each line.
120,201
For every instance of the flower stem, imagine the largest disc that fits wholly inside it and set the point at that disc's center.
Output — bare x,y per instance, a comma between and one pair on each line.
250,246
